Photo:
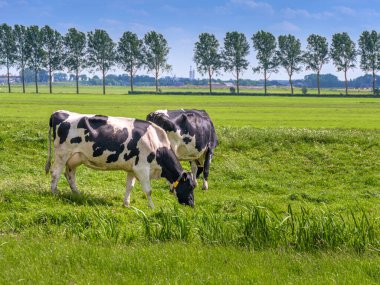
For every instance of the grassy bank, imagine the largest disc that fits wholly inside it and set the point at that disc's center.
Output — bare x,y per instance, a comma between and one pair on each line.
292,199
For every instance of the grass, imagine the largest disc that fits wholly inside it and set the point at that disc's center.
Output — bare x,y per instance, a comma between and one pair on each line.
70,88
292,201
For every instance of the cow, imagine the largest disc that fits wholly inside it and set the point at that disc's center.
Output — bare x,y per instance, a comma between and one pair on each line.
192,137
140,148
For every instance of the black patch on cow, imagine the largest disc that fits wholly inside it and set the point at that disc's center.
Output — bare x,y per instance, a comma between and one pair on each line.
186,140
76,140
150,157
161,120
139,129
55,119
190,122
63,131
104,136
171,168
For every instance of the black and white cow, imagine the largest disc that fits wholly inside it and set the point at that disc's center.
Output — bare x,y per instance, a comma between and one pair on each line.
192,137
138,147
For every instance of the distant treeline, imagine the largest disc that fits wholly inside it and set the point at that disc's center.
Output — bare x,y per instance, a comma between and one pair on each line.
309,81
33,50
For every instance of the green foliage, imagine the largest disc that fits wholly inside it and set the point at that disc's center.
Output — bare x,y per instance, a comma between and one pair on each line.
207,56
265,45
130,54
343,53
156,51
289,55
75,52
234,54
101,52
369,50
53,46
35,53
8,49
316,55
21,50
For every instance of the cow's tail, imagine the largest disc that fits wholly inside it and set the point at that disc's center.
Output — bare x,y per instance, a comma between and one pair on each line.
48,161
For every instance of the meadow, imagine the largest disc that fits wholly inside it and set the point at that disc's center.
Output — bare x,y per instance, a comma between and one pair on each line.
294,198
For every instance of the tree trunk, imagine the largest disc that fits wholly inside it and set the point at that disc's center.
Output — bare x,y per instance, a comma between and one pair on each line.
50,80
209,80
77,79
291,84
156,75
23,79
265,82
131,79
319,83
237,82
345,79
36,79
373,81
9,82
104,82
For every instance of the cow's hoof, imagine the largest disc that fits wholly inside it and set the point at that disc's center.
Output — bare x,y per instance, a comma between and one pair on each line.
205,186
55,192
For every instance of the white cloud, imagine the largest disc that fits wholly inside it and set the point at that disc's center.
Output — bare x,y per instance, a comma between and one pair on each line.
252,4
286,26
346,11
295,13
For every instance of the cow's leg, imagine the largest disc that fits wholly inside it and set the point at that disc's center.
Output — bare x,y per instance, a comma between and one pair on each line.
72,163
131,179
144,179
206,169
70,176
56,171
194,170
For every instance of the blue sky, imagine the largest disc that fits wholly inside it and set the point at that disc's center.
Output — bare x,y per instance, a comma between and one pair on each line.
182,21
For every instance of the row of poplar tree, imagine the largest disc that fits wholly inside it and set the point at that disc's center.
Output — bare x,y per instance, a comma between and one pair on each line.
45,47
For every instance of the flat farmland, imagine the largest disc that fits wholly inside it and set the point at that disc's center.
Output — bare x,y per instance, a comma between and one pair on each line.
293,198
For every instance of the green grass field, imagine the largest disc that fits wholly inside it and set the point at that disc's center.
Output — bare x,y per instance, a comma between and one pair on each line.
69,88
294,198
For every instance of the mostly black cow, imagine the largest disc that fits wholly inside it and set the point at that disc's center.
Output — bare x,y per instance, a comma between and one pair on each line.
192,137
138,147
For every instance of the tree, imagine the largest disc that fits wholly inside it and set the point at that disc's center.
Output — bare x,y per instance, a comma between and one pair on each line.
316,55
75,53
289,55
265,45
206,56
369,50
7,49
53,47
101,53
35,53
343,54
21,51
130,54
156,52
235,51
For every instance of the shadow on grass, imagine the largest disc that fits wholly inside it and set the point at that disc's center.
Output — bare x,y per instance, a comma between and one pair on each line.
82,199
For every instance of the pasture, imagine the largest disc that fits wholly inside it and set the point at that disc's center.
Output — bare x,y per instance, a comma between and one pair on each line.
293,198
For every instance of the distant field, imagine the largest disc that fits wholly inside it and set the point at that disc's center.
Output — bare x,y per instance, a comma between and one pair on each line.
271,112
294,198
69,88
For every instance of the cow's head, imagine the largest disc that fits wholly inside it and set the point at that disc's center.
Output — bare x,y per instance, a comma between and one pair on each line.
185,189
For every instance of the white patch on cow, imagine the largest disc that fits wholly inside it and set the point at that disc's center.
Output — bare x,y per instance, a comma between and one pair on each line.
165,112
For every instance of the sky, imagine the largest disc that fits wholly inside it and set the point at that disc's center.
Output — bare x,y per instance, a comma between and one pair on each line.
182,21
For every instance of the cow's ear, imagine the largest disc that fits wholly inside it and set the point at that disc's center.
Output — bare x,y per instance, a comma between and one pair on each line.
184,176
